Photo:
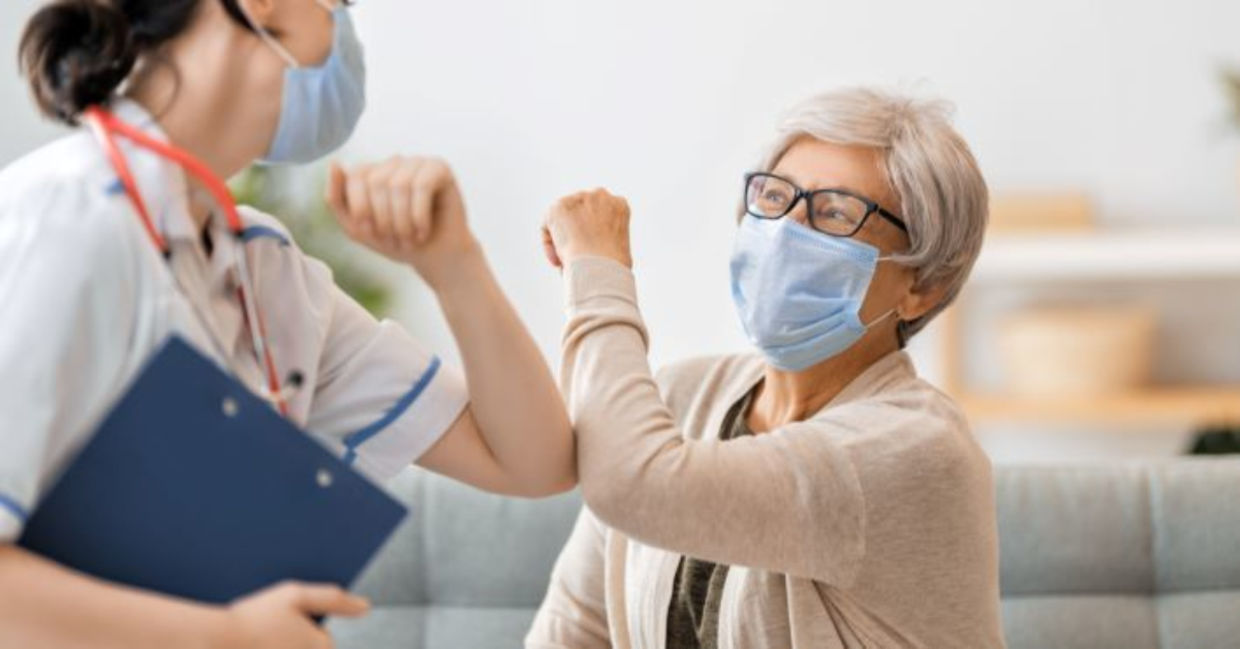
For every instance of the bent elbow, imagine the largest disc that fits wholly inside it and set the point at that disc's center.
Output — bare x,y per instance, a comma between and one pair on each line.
562,478
606,497
548,484
550,488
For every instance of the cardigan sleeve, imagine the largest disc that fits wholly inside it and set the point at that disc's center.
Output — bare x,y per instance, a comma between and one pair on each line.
789,501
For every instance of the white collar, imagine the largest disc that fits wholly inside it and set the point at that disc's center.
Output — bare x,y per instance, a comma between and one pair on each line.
166,192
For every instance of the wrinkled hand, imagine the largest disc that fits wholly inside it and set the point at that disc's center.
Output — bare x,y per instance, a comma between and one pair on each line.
407,209
280,617
588,224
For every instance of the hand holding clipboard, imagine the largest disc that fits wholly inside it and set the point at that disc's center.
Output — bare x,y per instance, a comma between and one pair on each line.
193,487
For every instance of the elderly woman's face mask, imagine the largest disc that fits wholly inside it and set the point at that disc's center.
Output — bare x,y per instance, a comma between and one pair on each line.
799,292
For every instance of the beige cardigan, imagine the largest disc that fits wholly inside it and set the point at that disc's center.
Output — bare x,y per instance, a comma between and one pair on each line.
871,524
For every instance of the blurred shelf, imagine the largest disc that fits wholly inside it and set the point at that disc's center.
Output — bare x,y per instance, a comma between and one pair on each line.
1110,255
1194,405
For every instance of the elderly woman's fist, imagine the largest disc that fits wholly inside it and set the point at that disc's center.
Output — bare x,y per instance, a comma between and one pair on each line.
588,224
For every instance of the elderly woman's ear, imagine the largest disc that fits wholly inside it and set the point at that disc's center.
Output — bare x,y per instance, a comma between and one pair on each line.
920,300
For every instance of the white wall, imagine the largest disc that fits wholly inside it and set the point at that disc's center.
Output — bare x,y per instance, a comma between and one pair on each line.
668,103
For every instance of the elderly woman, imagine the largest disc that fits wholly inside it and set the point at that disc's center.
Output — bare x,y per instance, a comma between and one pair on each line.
815,494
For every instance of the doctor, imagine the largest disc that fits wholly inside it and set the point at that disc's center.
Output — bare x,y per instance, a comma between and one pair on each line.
120,235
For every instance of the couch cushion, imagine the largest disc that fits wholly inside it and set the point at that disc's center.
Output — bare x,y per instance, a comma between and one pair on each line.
463,547
1121,555
434,627
1199,620
1080,622
1196,511
1074,530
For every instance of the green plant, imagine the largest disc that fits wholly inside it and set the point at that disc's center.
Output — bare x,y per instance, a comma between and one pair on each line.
295,196
1231,83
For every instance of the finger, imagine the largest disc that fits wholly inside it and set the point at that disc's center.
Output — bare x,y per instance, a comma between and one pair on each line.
428,182
313,599
336,191
358,198
549,248
380,200
402,206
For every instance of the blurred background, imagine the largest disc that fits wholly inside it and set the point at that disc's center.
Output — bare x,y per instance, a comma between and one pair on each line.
1104,319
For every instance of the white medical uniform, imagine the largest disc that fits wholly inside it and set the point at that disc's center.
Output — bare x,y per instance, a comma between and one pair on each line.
86,299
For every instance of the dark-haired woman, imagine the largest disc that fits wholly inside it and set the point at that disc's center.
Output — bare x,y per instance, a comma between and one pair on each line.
120,235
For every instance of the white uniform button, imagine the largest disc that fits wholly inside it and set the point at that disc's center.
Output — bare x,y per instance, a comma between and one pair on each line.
230,407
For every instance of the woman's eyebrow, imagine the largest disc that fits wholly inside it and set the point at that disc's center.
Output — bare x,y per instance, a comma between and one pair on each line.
819,187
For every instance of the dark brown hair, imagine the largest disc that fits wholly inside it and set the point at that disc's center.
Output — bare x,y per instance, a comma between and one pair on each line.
77,53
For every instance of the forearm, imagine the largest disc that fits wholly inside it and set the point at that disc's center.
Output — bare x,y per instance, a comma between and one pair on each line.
699,497
45,606
513,395
630,449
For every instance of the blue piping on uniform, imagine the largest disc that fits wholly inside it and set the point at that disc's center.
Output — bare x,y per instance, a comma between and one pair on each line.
14,507
354,440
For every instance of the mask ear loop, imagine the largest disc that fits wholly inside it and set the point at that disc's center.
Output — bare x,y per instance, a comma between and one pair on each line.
268,38
901,325
879,320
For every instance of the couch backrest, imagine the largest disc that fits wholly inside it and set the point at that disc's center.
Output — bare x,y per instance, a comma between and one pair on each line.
464,547
1131,556
1139,556
466,570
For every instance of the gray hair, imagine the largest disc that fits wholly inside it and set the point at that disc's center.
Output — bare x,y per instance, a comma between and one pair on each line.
943,197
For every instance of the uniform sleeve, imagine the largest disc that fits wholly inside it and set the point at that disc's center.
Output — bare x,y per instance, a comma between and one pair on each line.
574,613
68,294
382,393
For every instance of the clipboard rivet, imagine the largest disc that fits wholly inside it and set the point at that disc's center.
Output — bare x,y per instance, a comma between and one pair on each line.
230,407
324,478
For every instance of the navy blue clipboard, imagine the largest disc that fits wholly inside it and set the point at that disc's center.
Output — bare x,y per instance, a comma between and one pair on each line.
194,487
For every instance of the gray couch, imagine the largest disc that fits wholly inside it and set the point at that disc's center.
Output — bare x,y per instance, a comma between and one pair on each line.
1120,556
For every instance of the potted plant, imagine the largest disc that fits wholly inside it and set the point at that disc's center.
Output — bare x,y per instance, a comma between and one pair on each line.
294,197
1231,81
1231,84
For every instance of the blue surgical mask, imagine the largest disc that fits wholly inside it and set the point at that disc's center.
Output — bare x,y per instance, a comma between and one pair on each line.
321,105
799,292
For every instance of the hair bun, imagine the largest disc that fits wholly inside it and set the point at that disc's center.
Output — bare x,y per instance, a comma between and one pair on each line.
75,54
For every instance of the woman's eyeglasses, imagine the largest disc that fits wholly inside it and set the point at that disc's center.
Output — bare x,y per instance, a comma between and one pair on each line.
831,211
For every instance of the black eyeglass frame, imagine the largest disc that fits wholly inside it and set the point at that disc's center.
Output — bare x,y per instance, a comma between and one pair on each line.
871,207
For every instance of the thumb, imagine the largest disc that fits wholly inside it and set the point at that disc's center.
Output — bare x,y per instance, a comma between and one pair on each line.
329,600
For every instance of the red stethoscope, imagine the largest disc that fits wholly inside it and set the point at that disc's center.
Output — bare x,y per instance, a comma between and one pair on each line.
106,127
